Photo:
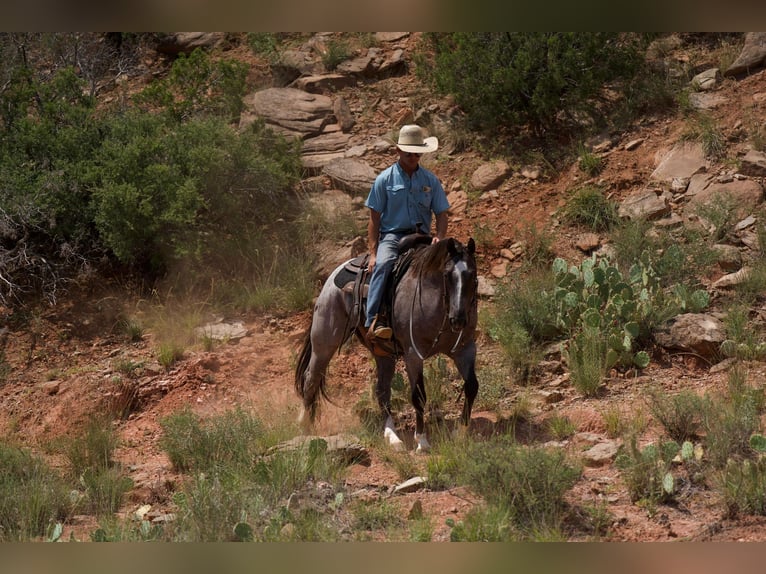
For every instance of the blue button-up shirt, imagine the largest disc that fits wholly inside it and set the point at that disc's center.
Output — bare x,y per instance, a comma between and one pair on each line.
406,203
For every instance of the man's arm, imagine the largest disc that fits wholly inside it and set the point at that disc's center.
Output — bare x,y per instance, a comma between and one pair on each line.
441,226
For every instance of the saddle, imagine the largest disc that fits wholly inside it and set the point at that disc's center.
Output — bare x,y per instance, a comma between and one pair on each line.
354,278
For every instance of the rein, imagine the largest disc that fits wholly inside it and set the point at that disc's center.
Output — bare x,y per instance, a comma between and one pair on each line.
441,328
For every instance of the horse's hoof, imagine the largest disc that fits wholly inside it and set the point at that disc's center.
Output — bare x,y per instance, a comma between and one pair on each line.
423,450
396,446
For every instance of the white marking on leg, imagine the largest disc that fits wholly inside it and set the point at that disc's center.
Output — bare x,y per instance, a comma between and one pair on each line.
423,445
390,435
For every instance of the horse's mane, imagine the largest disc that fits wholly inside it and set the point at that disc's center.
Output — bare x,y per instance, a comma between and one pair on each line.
432,258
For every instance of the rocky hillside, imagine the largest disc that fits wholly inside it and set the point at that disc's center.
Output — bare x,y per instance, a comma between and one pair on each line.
66,362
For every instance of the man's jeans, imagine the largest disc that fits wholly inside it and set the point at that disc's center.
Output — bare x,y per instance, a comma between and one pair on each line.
385,257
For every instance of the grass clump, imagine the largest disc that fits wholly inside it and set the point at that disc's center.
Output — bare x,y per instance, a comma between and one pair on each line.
240,479
589,207
731,419
91,462
33,496
525,486
679,414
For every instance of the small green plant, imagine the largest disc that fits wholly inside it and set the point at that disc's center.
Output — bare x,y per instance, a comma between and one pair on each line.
33,496
560,427
132,329
489,523
590,163
169,353
589,207
376,515
743,485
679,414
263,43
703,128
647,471
731,419
528,482
337,51
94,447
742,340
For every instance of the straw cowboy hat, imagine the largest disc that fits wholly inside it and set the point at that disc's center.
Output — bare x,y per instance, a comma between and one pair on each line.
411,139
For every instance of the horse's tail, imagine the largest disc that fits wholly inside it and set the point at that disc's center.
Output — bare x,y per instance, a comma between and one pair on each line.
300,372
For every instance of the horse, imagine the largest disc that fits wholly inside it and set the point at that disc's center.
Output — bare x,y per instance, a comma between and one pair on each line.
433,311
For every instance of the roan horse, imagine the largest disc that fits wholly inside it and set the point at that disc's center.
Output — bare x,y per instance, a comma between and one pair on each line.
434,310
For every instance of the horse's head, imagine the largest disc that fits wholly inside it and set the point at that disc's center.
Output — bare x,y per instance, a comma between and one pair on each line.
461,282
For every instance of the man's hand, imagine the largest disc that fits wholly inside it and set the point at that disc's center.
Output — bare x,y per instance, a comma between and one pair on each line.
371,262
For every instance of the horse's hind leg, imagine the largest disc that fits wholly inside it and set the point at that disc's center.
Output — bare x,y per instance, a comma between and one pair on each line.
414,368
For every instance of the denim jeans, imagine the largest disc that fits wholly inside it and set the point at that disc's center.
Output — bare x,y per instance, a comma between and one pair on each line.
385,257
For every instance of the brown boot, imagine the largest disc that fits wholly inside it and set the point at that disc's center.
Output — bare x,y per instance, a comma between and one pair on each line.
378,330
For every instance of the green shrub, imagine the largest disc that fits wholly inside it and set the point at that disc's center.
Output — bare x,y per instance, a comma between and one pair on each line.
731,419
529,482
234,437
679,414
589,207
647,471
589,162
198,85
743,485
94,448
33,496
512,78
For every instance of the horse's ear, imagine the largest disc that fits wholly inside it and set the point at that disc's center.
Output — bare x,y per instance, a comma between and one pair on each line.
471,246
451,246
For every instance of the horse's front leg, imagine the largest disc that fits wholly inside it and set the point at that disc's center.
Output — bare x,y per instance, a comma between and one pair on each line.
414,368
465,361
385,368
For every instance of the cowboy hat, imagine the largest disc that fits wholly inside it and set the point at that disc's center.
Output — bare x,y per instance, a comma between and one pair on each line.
411,140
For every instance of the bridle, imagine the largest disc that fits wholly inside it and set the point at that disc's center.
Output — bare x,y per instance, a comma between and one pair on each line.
445,320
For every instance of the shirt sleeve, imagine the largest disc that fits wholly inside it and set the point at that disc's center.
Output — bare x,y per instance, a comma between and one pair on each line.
376,199
439,202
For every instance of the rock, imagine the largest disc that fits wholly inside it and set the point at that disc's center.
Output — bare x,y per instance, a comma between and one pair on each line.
50,387
601,454
458,201
352,175
289,111
587,242
704,101
684,160
318,152
696,332
490,175
323,83
343,114
752,56
416,511
706,80
485,288
644,204
411,485
732,279
347,447
633,144
187,42
746,195
390,36
729,257
221,331
753,163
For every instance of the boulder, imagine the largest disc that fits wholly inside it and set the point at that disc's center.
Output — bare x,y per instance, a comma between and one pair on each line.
289,111
684,160
752,56
490,175
753,164
644,204
698,333
352,175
